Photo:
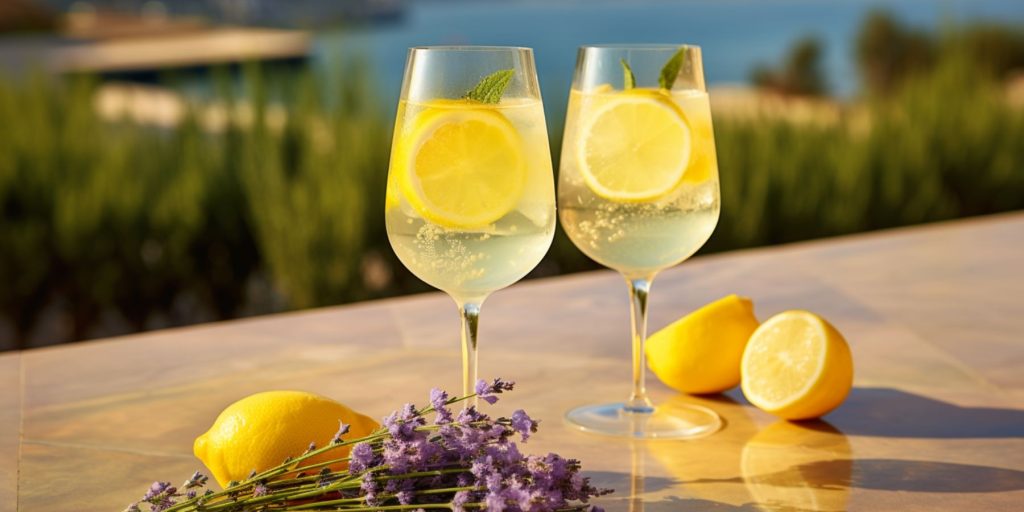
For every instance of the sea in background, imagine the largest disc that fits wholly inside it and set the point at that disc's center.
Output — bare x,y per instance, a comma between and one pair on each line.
735,35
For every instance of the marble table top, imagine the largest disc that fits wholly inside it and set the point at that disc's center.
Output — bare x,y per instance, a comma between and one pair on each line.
934,315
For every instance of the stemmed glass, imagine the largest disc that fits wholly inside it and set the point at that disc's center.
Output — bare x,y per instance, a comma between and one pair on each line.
470,204
638,192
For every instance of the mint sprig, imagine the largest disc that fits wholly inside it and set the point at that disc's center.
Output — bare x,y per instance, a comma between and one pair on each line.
627,75
491,87
670,70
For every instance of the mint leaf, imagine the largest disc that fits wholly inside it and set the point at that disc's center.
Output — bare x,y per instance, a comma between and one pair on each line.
627,75
670,71
491,87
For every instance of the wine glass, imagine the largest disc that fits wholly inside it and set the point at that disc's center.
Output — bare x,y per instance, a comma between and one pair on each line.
470,204
638,193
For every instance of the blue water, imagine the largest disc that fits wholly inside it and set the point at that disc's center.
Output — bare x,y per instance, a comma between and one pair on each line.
735,34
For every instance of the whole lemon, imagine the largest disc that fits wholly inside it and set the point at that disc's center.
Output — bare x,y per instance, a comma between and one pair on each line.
260,431
701,352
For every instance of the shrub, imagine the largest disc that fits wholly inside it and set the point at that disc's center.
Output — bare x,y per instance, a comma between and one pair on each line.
112,227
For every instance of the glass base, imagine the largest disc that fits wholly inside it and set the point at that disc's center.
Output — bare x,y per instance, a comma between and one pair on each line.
666,421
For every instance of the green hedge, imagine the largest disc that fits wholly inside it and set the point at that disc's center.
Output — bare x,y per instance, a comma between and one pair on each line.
946,145
163,226
156,226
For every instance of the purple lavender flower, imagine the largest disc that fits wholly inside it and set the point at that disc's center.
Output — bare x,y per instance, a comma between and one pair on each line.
470,415
324,478
196,480
460,500
342,430
160,496
487,391
405,497
402,423
495,502
522,423
361,458
397,456
469,451
439,400
369,488
159,489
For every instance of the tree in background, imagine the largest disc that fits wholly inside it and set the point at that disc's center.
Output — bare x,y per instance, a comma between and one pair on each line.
889,52
25,16
800,73
997,47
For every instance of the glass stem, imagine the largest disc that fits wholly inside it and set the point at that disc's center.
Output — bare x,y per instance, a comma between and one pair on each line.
638,290
470,313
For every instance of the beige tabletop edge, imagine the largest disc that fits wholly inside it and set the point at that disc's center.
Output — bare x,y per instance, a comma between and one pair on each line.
934,315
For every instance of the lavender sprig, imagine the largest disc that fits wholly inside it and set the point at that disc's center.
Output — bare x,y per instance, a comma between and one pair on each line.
459,462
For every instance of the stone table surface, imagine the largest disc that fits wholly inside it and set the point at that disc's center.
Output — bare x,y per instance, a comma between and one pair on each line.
934,315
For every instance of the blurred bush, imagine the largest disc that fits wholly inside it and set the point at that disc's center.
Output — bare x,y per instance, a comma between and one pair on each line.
136,226
269,196
946,144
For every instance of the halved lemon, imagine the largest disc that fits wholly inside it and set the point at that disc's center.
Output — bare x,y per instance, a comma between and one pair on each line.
796,366
634,146
463,166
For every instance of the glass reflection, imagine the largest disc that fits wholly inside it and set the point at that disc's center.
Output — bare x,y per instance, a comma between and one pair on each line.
797,466
707,471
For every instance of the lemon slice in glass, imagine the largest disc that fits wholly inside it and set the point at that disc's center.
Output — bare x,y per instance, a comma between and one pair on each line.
464,165
796,366
634,146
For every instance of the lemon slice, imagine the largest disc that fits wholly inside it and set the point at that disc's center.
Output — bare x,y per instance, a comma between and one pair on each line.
634,146
464,165
796,366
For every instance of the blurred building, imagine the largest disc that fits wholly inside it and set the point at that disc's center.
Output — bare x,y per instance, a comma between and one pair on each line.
307,14
141,40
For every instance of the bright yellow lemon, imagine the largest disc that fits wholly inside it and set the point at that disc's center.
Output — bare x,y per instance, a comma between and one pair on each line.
634,146
701,352
797,366
461,165
262,430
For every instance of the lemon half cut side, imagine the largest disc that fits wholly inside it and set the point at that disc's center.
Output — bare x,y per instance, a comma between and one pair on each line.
796,366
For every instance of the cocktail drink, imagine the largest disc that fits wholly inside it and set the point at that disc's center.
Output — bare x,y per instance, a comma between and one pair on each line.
470,205
634,202
638,192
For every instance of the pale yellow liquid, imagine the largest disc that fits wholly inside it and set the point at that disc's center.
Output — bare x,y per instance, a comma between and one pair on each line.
469,264
641,238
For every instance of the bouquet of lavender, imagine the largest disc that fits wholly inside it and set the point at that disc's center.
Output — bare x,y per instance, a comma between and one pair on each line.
458,462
